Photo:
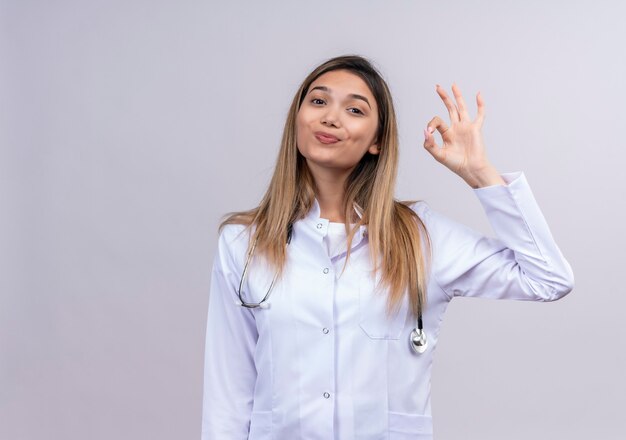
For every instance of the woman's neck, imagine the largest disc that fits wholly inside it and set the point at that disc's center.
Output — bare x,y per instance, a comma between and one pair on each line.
329,191
331,207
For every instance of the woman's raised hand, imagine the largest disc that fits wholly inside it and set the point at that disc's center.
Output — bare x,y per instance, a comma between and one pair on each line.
463,150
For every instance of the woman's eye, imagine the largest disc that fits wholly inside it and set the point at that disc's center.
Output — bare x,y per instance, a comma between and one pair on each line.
356,110
317,101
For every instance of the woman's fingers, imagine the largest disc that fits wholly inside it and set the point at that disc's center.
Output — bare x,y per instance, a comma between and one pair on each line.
480,117
452,110
429,140
463,113
430,145
438,124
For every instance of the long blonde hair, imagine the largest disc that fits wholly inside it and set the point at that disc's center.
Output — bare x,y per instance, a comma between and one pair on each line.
395,231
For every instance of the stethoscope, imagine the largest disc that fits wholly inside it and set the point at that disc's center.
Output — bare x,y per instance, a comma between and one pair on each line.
417,338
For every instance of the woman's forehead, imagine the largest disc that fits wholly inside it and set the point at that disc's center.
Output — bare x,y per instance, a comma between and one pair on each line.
341,82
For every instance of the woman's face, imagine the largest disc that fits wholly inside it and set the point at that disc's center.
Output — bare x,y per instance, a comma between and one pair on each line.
337,122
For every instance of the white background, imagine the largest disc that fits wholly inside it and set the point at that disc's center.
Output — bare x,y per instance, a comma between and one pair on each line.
128,128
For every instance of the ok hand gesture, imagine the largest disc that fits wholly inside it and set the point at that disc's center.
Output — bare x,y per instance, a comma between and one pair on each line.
463,150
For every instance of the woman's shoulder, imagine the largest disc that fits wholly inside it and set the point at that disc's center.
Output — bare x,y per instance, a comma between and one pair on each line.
232,243
235,236
419,206
423,210
232,232
440,227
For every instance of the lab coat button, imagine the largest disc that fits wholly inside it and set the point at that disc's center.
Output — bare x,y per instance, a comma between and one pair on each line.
325,270
319,226
326,395
325,331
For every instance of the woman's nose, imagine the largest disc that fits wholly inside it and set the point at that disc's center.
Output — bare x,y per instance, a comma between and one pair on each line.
330,117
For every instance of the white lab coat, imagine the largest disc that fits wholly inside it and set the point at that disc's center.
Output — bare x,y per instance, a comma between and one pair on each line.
323,362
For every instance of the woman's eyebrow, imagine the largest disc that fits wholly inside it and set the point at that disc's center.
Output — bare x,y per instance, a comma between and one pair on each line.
351,95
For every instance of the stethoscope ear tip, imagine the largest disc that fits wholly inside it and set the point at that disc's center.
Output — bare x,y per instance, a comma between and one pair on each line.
264,305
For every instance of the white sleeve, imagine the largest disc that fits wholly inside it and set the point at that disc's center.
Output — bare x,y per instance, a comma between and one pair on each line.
229,370
522,263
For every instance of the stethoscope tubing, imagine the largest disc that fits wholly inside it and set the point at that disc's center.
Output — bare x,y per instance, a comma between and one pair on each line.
417,338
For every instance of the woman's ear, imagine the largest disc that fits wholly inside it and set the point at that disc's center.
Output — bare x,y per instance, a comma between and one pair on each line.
374,149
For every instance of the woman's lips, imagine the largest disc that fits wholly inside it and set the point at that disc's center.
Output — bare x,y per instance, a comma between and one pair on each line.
325,138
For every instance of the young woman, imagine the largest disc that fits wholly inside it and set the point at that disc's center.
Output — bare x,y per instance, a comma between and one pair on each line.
326,300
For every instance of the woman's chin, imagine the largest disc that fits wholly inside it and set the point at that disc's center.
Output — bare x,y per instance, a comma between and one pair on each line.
328,165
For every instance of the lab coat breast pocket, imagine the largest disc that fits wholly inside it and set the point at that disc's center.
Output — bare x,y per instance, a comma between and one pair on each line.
260,425
404,426
373,317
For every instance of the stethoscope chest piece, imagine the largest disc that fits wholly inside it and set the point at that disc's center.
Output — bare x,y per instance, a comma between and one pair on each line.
418,340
